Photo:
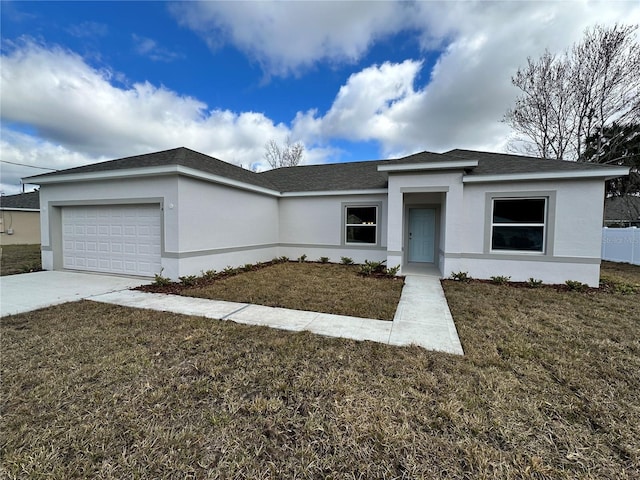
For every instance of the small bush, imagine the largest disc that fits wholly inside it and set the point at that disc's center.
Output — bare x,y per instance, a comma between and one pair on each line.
460,276
500,279
282,259
302,258
160,281
248,267
576,286
346,260
372,268
208,275
392,271
324,260
229,270
534,282
188,280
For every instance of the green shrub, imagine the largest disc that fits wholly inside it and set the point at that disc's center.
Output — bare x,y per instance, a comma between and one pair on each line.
346,260
302,258
392,271
576,286
500,279
324,260
282,259
208,275
188,280
248,267
160,281
534,282
460,276
229,270
371,268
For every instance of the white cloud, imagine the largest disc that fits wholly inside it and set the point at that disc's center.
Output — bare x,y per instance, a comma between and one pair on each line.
468,91
76,113
80,116
148,47
287,37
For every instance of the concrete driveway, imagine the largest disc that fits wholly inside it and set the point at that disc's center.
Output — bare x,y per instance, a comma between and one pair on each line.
31,291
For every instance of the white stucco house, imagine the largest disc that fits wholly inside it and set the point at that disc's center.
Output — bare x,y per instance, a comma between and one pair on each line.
180,212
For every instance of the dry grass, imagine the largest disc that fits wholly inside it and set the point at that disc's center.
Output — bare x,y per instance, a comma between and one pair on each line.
620,273
326,288
19,259
549,388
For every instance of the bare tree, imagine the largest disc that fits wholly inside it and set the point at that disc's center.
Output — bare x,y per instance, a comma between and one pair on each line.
568,98
287,155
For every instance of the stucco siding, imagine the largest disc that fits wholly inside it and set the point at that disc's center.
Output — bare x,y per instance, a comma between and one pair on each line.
216,216
162,191
573,233
552,272
24,227
575,217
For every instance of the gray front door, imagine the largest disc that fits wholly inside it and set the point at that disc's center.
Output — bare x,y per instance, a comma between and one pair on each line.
422,234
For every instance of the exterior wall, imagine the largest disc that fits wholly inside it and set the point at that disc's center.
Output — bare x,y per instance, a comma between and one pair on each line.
573,233
219,226
314,226
152,190
443,188
25,226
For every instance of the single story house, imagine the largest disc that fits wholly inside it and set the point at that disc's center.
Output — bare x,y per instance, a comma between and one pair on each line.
622,211
181,212
20,219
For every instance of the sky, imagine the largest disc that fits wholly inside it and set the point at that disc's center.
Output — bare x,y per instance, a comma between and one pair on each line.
83,82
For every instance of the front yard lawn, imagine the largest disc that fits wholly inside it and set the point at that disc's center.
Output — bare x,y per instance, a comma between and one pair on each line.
548,388
19,259
326,288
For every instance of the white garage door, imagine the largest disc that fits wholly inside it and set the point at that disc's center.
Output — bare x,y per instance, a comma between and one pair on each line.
122,239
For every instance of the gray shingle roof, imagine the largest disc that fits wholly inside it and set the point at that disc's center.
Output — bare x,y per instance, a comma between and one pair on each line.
176,156
501,163
335,176
29,200
328,177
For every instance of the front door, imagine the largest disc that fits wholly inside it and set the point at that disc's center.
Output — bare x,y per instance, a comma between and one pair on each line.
422,233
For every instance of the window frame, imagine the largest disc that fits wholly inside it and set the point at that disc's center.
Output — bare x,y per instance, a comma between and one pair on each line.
545,224
345,226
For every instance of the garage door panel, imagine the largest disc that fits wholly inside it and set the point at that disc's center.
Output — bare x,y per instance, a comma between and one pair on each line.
121,239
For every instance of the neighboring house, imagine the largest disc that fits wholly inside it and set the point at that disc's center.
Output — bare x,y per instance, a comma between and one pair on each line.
20,219
622,211
180,212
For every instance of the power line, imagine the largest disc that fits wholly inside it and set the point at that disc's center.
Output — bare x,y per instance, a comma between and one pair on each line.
25,165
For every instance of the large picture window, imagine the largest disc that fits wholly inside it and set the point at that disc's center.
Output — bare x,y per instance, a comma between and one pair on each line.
518,224
361,224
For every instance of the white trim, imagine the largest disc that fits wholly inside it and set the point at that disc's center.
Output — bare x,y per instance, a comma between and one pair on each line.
322,193
151,171
11,209
604,173
194,173
446,165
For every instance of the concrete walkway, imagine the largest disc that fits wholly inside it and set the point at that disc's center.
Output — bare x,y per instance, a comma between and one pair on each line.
422,318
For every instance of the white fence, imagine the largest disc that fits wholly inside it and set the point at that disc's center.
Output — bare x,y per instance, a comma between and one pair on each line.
621,245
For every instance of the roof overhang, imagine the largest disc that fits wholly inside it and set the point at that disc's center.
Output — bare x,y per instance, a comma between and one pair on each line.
326,193
416,167
17,209
148,172
605,174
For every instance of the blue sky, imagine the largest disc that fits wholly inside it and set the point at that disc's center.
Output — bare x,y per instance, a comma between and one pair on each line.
92,81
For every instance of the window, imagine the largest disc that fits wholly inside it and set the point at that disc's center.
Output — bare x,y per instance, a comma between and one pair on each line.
518,224
361,224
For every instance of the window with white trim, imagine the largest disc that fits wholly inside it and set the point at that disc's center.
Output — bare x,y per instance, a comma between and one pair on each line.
519,224
361,224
